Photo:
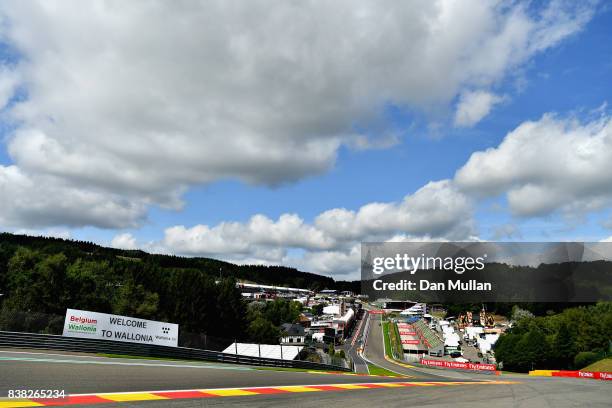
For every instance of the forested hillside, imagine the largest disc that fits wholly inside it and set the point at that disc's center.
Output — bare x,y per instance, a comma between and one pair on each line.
572,339
41,277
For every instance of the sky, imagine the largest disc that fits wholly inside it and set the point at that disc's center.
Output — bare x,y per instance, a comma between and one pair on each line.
288,132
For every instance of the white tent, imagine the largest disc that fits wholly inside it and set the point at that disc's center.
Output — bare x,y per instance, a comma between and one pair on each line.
332,310
264,350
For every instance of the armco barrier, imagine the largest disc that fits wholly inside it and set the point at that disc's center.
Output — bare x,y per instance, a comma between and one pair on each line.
594,375
53,342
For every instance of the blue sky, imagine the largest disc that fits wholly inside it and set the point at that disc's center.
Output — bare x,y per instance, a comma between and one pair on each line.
556,81
562,65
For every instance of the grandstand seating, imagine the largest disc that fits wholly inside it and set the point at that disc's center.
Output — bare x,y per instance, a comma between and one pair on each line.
427,336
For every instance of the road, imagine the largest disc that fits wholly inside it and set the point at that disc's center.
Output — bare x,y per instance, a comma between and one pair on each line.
218,384
529,394
375,353
86,374
525,391
355,343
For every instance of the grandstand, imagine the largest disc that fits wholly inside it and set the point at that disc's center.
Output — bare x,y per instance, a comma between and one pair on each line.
429,338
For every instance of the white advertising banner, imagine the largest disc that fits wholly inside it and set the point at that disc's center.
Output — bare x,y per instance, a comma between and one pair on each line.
102,326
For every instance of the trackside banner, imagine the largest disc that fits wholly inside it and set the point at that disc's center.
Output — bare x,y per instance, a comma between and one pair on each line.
102,326
457,365
596,375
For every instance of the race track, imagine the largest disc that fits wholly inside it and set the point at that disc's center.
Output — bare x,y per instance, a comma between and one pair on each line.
211,384
84,374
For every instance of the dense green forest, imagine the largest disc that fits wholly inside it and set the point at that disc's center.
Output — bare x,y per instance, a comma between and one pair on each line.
571,339
41,277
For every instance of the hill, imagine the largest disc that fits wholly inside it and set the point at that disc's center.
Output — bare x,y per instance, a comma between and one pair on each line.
41,277
604,365
270,275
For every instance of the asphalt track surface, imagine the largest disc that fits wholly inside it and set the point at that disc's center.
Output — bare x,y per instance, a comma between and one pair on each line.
375,353
353,345
542,393
88,374
83,374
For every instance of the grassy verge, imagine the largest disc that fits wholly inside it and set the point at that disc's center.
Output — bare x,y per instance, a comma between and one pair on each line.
392,340
388,351
396,340
300,370
601,365
376,370
512,372
137,357
304,370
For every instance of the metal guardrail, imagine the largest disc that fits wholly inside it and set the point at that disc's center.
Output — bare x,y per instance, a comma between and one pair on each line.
55,342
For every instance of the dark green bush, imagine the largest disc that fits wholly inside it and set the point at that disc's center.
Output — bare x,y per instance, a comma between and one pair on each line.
585,358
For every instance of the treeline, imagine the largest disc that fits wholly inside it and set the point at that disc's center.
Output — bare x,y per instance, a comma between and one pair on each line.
37,284
270,275
506,308
265,319
571,339
41,277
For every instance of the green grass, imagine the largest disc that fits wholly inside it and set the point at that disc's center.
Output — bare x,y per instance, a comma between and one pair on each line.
137,357
300,370
376,370
388,351
399,350
392,340
601,365
201,361
129,258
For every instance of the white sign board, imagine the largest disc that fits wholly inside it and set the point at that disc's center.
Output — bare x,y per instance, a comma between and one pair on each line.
102,326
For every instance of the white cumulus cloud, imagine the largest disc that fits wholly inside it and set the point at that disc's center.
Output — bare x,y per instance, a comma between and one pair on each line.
128,104
330,245
474,106
124,241
546,165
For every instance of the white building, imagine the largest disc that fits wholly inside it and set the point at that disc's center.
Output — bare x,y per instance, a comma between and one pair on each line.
417,310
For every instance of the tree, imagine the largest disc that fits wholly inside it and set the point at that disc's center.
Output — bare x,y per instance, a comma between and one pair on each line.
134,300
193,301
586,358
563,346
505,350
36,282
531,350
263,331
90,285
519,314
317,309
231,309
282,311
